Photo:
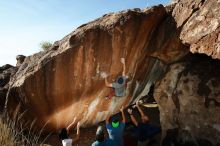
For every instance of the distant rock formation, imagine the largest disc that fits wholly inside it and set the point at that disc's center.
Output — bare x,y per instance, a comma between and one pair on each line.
66,81
157,43
20,60
6,72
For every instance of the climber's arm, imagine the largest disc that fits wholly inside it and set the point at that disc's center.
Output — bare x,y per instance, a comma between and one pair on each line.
107,83
124,67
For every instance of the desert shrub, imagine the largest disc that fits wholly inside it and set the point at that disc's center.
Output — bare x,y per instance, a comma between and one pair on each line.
7,137
14,132
45,45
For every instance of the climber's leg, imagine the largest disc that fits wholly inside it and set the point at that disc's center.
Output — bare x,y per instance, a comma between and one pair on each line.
111,94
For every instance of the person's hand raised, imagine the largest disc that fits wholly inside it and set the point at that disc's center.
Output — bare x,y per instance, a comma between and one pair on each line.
122,109
130,111
123,60
137,103
78,125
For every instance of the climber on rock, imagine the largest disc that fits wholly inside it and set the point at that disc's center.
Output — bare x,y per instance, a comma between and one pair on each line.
116,128
64,134
144,130
100,138
119,86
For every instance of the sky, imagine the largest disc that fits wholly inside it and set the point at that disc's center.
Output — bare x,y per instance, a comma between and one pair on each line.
24,24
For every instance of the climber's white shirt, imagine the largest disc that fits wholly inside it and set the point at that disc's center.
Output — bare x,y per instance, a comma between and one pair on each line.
67,142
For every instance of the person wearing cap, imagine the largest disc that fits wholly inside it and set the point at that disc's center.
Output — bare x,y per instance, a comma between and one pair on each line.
100,138
64,135
116,129
119,86
145,131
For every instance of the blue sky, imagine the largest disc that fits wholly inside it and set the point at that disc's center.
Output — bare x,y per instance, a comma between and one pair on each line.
24,24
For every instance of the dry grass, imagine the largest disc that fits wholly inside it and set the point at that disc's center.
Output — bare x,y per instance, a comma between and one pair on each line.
17,133
7,138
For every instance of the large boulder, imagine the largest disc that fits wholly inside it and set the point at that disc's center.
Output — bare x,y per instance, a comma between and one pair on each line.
157,43
65,81
6,72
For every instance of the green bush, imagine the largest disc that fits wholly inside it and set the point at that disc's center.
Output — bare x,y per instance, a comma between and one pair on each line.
45,45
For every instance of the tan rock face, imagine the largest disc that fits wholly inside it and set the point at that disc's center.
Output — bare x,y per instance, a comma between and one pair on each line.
200,25
184,9
66,81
